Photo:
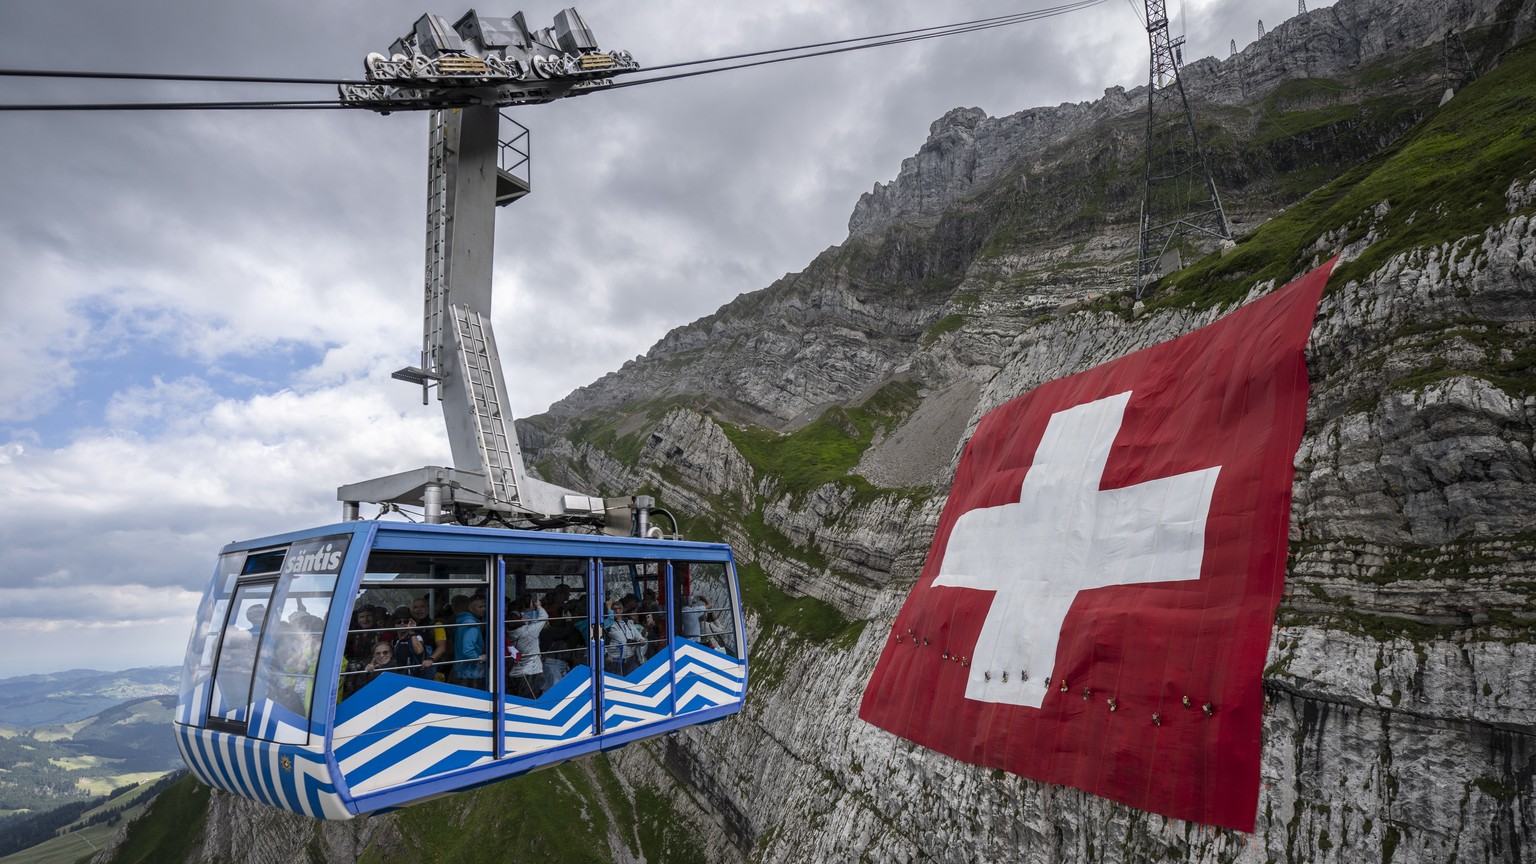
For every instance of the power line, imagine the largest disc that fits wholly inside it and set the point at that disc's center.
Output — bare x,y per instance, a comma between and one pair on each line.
1001,20
176,106
161,76
954,29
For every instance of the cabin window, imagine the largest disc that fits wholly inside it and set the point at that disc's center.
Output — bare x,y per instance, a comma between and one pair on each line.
197,666
266,616
284,682
706,605
546,623
635,614
230,698
415,615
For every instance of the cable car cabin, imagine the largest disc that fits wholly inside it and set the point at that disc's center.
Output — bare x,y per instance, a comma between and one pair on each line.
369,665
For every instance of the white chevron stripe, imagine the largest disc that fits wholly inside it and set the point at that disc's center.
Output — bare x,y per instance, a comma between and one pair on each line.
549,713
512,727
317,772
520,746
438,721
657,674
620,713
423,760
378,715
638,700
687,651
710,694
712,677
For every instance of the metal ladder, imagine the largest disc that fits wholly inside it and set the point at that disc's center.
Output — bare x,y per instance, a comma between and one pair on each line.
436,296
496,435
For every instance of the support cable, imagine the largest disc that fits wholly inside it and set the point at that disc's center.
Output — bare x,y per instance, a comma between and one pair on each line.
998,21
894,38
316,104
164,76
1016,19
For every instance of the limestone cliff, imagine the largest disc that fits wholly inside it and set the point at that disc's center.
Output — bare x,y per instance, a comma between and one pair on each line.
814,425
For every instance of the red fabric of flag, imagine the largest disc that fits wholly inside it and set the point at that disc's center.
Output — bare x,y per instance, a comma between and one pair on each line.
1097,603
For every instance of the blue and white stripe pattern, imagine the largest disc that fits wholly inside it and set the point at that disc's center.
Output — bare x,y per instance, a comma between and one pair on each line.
282,775
562,715
642,696
187,703
271,721
706,678
398,728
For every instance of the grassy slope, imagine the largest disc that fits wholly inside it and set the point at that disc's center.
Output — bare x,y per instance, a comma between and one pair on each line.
1443,181
166,833
564,815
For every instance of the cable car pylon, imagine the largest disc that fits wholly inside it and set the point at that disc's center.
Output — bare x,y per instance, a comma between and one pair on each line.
1180,197
463,74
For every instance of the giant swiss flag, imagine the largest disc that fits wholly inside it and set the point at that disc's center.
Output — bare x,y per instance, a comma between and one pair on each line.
1097,603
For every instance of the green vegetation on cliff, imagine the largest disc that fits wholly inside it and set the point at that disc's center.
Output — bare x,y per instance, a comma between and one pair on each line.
826,449
1445,180
171,828
571,814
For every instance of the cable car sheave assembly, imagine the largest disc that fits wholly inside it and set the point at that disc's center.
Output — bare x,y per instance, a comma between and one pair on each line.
462,74
485,61
294,692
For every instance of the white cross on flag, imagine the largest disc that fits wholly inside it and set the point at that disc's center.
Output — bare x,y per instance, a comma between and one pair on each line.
1097,604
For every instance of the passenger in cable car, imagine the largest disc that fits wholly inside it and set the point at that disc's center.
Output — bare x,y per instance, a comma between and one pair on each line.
559,635
363,634
383,660
712,630
291,681
626,640
436,638
411,653
442,630
526,677
469,644
648,601
688,618
254,617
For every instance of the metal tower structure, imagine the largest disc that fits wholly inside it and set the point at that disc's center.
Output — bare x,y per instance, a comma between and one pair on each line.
1301,7
1180,195
463,74
1458,63
1261,28
1234,49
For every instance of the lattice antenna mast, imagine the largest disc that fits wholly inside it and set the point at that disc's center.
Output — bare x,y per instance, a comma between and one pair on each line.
1180,195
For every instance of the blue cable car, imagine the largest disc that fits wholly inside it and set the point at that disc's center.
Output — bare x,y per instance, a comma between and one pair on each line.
368,665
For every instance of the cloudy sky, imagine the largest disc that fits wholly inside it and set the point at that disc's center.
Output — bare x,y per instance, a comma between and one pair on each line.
199,311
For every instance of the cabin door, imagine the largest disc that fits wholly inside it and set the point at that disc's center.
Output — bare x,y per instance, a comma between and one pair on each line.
635,644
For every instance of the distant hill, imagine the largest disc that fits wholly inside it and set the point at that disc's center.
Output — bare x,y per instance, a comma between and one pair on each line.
42,767
67,697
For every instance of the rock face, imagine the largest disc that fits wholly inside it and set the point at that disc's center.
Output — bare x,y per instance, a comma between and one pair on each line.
1400,722
966,150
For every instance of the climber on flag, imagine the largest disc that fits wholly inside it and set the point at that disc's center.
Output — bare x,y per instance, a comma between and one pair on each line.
1097,603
